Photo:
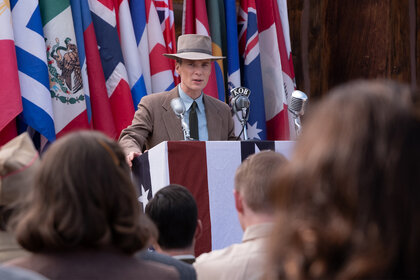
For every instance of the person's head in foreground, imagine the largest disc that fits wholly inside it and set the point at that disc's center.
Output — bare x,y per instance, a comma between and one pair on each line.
18,162
174,211
253,180
83,198
352,205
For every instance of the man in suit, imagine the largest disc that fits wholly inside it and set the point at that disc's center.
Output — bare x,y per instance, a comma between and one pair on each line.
174,211
186,271
208,118
246,260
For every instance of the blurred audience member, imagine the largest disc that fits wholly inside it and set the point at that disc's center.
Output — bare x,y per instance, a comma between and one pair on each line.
186,271
82,220
18,162
16,273
174,211
246,260
352,205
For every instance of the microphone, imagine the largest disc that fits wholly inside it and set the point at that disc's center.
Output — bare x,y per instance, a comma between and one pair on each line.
297,108
178,106
240,103
179,109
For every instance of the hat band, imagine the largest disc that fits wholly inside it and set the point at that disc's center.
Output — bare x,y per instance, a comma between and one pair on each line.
195,50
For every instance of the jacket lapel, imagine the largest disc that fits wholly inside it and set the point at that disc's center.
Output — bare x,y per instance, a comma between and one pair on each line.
171,121
214,121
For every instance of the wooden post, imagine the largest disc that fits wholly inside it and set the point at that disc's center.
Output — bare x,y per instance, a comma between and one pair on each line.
337,41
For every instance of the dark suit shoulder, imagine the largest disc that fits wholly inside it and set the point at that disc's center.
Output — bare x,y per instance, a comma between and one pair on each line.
186,271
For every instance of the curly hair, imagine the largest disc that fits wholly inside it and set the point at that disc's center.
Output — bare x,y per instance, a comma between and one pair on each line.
83,197
349,201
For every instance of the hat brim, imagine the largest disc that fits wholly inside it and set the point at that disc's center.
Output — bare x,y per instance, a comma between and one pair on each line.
193,56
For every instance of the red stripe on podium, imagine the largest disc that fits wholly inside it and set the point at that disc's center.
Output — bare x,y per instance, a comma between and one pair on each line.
187,163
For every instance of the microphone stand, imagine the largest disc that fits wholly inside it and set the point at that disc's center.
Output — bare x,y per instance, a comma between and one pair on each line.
298,125
185,128
244,121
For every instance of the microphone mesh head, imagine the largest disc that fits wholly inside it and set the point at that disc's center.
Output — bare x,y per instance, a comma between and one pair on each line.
297,102
178,106
242,102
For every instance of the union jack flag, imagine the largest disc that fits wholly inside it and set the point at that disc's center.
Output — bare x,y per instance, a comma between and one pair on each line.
165,12
105,23
161,70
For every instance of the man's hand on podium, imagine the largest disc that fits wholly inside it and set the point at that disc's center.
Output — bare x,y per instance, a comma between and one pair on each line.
129,158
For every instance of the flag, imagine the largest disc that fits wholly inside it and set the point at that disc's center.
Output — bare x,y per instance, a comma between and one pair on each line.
195,21
282,25
105,24
232,61
251,65
165,11
11,103
216,15
234,72
130,52
32,66
166,17
102,118
138,16
66,85
209,176
161,70
275,98
78,29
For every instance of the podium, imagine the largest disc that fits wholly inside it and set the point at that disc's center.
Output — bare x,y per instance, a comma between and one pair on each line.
207,169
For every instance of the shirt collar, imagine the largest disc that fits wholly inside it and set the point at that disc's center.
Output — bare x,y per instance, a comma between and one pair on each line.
257,231
188,100
184,257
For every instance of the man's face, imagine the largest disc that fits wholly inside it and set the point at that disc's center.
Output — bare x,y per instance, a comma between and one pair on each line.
194,75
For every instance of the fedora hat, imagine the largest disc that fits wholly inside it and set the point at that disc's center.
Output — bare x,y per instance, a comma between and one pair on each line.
194,47
18,162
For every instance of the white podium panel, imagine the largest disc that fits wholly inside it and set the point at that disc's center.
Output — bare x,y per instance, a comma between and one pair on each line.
207,169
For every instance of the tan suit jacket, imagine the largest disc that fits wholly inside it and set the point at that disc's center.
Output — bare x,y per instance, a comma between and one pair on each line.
9,248
155,122
241,261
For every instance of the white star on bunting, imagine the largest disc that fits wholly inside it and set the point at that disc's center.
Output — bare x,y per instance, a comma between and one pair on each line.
143,197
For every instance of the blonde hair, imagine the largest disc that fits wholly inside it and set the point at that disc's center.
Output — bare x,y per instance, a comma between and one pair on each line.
254,176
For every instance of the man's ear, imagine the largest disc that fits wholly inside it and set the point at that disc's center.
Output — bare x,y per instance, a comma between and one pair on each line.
177,67
239,205
198,229
157,247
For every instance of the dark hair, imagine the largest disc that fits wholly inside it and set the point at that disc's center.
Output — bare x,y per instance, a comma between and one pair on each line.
352,205
174,211
83,197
